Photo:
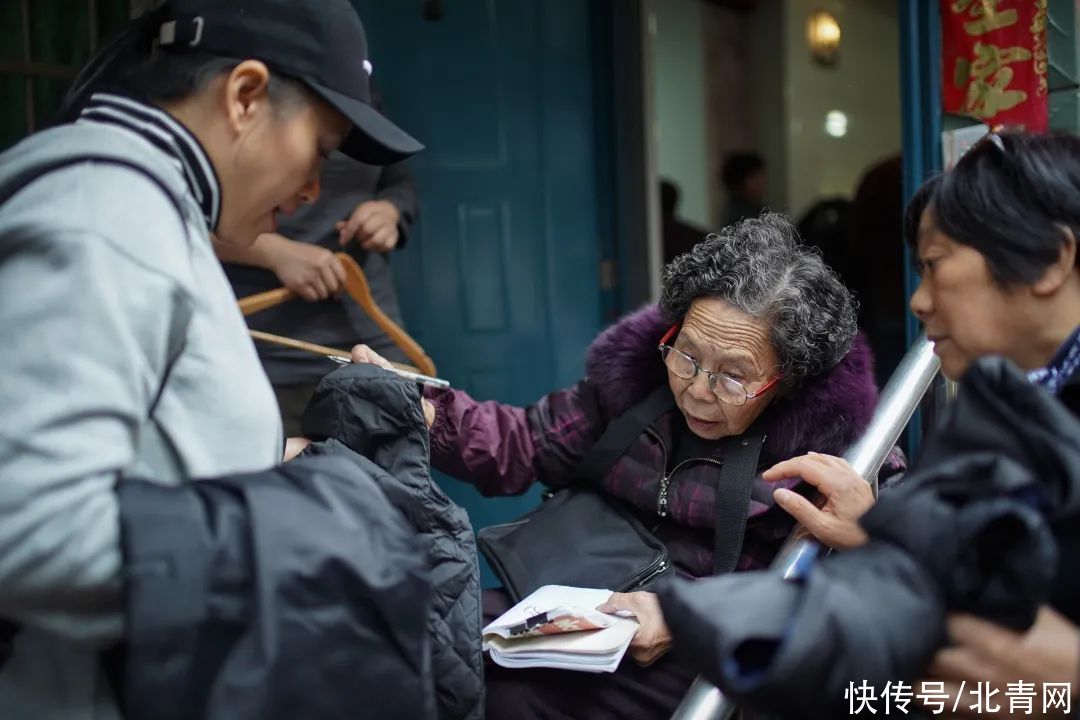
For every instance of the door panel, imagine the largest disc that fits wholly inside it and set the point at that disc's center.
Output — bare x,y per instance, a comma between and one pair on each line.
42,45
500,279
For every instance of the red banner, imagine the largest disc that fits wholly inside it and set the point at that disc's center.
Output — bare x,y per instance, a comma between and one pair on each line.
994,61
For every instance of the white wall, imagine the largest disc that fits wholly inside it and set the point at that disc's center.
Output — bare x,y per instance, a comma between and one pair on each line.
678,65
767,66
864,84
713,94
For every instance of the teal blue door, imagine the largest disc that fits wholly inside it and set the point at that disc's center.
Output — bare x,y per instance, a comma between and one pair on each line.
500,280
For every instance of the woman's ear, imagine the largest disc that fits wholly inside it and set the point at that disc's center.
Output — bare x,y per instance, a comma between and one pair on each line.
246,94
1055,276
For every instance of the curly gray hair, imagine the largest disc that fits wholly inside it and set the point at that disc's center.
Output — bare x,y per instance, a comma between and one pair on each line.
759,266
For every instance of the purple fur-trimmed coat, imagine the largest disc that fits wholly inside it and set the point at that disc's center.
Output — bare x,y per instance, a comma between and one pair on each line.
502,449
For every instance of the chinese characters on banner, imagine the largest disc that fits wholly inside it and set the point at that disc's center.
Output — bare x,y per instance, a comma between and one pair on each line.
994,61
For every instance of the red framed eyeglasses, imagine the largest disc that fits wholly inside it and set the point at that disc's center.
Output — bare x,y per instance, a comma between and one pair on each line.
726,388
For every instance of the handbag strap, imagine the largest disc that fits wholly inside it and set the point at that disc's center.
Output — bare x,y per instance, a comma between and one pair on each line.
618,436
733,498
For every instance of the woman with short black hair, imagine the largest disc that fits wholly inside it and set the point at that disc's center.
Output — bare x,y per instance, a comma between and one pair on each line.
995,245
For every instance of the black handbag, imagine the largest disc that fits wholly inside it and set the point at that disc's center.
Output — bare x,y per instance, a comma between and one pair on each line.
582,538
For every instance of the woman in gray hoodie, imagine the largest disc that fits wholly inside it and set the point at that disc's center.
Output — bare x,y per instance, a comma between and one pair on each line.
125,355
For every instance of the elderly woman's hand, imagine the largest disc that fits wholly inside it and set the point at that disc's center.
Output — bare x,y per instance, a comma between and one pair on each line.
364,354
982,652
847,497
653,638
294,446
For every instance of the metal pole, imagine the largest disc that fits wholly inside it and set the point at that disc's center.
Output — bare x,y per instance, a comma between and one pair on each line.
899,400
704,701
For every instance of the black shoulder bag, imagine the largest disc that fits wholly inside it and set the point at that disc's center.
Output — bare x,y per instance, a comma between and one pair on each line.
584,538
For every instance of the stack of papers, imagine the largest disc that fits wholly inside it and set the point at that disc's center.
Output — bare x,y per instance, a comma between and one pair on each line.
543,630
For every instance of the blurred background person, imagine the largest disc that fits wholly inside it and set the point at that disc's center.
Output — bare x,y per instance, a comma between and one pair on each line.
679,235
876,257
825,226
743,175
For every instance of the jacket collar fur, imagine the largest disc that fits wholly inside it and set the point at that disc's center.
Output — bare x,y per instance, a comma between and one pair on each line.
827,413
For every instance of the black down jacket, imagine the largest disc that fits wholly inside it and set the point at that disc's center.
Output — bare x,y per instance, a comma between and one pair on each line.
378,415
283,594
983,524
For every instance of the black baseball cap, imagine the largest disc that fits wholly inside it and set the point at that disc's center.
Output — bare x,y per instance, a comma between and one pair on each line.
318,42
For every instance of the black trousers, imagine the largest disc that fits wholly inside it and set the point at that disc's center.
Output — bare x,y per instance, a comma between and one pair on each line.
292,399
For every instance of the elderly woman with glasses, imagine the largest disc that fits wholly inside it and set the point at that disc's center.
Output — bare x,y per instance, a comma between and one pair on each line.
757,338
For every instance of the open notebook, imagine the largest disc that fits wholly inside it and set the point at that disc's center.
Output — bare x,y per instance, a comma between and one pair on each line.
593,650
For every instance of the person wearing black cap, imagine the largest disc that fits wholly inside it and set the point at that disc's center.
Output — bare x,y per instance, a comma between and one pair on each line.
128,370
364,210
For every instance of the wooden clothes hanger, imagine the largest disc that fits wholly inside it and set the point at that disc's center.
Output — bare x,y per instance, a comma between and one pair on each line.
356,285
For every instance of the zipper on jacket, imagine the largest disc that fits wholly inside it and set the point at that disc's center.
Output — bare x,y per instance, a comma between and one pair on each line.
665,478
650,573
661,499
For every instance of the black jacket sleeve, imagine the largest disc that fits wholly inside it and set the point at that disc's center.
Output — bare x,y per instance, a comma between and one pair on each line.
793,647
299,591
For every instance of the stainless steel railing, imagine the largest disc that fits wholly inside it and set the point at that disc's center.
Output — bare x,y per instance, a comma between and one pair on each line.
901,396
906,387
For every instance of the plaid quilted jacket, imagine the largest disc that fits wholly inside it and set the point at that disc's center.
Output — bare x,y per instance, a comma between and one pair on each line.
503,450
